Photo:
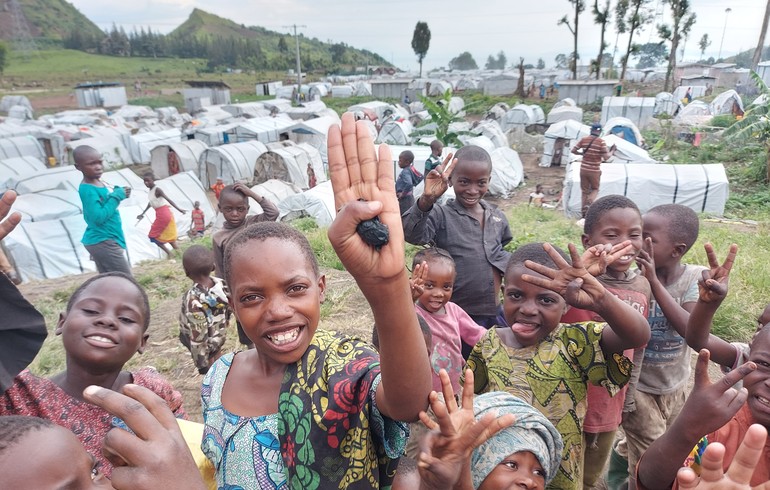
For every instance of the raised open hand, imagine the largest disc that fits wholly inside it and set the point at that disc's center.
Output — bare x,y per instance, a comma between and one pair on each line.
446,450
417,281
437,180
8,224
712,286
358,175
596,259
739,473
573,282
646,260
156,454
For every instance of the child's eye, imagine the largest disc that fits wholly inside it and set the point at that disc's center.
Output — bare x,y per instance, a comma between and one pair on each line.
249,298
126,319
89,311
297,288
511,464
547,300
540,472
514,294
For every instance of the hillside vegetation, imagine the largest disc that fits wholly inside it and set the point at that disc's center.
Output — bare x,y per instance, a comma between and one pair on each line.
49,21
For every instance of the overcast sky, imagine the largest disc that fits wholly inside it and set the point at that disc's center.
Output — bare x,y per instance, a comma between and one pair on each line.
517,27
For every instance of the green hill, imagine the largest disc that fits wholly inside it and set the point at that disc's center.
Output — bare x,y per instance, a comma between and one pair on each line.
277,48
48,20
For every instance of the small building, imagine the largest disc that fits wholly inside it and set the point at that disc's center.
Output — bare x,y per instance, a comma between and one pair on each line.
268,88
100,94
688,69
500,85
697,81
586,91
389,88
204,93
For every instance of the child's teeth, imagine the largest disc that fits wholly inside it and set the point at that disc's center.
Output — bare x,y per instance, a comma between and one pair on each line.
284,337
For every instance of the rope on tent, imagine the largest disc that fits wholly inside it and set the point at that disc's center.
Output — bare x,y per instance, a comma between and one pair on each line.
73,245
706,193
676,186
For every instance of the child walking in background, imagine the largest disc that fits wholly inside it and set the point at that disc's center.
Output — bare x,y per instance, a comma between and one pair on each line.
549,364
669,230
103,237
198,226
163,230
434,160
407,179
234,206
311,178
612,220
217,187
104,325
205,312
473,231
307,408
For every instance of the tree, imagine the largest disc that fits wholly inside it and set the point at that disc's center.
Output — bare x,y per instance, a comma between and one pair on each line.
491,63
683,20
421,42
502,60
4,52
464,61
540,64
650,54
561,61
338,52
705,42
761,44
520,85
283,48
629,16
579,6
755,124
601,17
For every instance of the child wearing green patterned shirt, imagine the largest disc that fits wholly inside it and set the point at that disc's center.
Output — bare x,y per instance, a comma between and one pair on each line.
549,364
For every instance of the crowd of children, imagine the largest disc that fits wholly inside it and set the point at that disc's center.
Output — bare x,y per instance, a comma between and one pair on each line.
577,346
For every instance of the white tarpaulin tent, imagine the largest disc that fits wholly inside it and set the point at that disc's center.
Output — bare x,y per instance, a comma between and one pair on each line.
307,110
264,129
665,103
522,115
233,163
625,151
141,144
625,127
114,153
274,190
49,204
13,169
491,129
9,101
696,112
702,188
638,110
314,132
559,140
67,177
565,113
247,109
9,129
288,162
317,203
214,135
728,102
187,152
507,172
21,146
396,133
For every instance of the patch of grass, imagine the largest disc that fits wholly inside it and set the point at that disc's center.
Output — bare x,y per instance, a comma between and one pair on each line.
532,224
335,300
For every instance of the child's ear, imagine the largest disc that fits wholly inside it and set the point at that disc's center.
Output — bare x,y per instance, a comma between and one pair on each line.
140,350
322,288
60,323
679,250
585,240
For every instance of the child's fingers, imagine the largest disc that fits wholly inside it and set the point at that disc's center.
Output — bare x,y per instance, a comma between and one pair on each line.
701,378
447,391
648,246
447,167
730,259
711,463
7,225
541,282
749,452
427,421
620,250
573,288
687,478
493,427
711,256
382,166
730,379
540,269
574,255
350,149
338,171
467,394
141,409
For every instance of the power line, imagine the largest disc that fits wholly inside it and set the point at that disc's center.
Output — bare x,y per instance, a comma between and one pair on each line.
299,67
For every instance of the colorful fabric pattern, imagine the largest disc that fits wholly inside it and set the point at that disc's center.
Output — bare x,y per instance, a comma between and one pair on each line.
203,321
553,377
33,396
329,428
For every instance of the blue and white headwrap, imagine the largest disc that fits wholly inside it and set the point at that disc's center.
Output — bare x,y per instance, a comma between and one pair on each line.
531,432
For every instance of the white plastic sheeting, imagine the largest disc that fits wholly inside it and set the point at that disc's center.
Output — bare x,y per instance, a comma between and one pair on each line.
13,169
559,139
665,103
314,132
728,102
307,110
67,177
622,122
625,152
214,135
638,110
247,109
317,203
507,172
141,144
264,129
188,153
288,162
114,153
233,163
9,129
396,133
702,188
565,113
274,190
491,129
9,101
49,204
522,115
21,146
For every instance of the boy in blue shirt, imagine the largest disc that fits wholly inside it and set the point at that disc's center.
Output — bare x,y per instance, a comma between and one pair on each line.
103,237
407,179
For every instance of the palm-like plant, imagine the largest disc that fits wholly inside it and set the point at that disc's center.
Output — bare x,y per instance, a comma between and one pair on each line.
441,120
755,124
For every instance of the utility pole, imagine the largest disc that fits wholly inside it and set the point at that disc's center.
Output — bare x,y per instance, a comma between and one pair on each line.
299,68
727,12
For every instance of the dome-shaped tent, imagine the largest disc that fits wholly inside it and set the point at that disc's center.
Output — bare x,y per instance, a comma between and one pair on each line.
396,133
565,113
232,163
288,162
317,203
666,104
13,169
141,144
624,128
21,146
522,115
173,158
728,102
114,153
559,139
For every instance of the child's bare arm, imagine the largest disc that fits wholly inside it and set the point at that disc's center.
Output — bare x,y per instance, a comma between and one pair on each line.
357,173
709,407
162,194
628,329
712,290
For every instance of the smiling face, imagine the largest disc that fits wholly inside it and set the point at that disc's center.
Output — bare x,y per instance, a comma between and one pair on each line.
439,283
48,470
234,206
757,383
276,297
470,180
519,470
104,328
615,226
531,311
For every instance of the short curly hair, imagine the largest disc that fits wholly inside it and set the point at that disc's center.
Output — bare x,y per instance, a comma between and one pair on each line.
682,223
536,253
602,206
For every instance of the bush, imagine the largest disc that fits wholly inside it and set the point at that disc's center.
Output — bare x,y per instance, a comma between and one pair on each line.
722,121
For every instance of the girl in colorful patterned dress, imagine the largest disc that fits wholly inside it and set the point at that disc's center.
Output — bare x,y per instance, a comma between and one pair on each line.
104,325
308,408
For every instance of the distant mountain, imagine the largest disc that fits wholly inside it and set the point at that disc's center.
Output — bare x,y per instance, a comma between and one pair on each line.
278,48
47,20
